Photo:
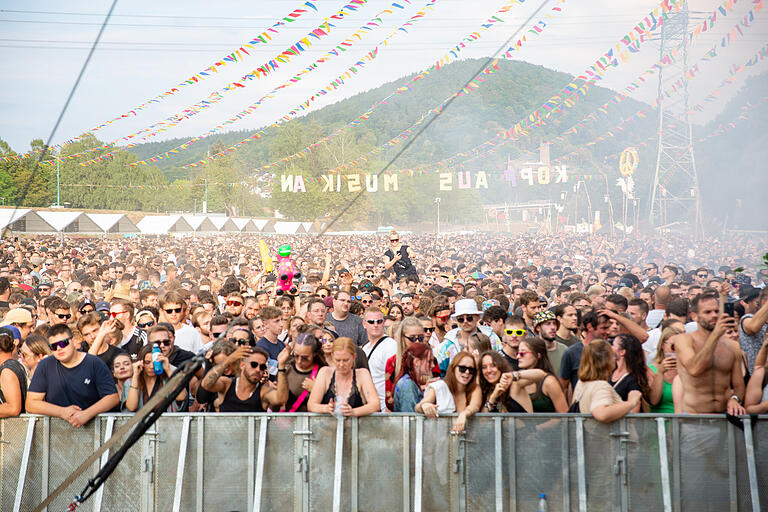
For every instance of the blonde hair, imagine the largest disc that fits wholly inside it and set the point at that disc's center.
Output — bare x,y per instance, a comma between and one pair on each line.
665,335
409,321
343,343
595,289
597,361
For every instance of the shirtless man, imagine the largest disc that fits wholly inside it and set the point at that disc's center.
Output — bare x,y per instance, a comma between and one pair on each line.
709,363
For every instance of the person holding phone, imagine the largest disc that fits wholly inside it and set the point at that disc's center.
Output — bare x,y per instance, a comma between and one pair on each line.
664,367
247,392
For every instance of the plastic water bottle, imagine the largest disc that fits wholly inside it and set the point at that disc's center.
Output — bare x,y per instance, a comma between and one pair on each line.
542,503
156,364
340,400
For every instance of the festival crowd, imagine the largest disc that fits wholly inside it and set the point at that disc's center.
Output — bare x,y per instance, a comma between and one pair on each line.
460,323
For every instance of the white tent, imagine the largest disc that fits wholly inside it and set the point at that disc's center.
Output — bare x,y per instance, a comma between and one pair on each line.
69,221
200,223
163,224
264,225
23,220
245,225
224,224
113,222
289,228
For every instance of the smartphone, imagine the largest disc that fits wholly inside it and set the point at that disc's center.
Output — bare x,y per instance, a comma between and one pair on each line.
728,308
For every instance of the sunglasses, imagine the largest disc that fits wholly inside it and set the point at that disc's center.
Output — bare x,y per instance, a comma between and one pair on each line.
444,316
65,316
369,301
56,345
113,314
234,303
172,310
376,322
394,240
418,338
302,358
146,324
701,275
466,369
260,366
86,311
429,330
461,319
621,269
646,270
523,353
165,342
237,341
515,332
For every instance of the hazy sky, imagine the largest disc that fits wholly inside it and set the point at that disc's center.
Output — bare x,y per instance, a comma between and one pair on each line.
149,47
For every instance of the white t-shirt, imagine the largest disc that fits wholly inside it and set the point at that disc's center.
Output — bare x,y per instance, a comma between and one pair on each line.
443,397
652,343
188,338
377,365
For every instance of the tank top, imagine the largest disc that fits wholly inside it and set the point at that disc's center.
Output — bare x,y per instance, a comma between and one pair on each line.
666,404
354,399
232,403
542,403
21,374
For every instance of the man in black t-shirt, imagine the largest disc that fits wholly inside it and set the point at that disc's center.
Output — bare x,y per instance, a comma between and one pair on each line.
70,385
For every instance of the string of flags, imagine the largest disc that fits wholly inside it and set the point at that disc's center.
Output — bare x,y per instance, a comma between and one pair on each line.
340,81
235,56
323,30
472,86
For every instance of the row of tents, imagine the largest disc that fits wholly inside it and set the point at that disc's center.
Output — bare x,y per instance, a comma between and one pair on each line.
25,220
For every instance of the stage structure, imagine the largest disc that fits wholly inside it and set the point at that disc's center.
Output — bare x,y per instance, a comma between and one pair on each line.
675,194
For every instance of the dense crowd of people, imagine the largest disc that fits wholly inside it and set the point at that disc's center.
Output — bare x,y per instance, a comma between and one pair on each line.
461,323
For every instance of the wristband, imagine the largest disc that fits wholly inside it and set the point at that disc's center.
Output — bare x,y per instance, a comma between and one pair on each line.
735,397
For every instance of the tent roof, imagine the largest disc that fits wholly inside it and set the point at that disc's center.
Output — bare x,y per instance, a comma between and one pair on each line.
200,223
31,221
245,225
162,224
224,224
113,222
264,225
289,228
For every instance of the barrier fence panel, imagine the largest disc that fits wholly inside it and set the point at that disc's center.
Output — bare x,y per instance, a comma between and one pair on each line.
396,462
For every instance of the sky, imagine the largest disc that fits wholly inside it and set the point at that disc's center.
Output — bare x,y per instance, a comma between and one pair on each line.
149,47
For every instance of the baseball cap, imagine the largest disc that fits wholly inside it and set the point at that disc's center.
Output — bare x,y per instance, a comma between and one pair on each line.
17,316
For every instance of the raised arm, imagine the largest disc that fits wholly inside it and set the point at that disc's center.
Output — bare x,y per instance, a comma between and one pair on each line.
753,324
634,329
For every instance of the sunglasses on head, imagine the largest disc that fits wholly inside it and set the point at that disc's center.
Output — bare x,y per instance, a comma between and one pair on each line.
416,338
378,321
464,318
146,324
260,366
234,303
165,342
172,310
64,316
515,332
466,369
60,344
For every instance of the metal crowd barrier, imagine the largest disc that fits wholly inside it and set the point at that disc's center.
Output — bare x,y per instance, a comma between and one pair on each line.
394,462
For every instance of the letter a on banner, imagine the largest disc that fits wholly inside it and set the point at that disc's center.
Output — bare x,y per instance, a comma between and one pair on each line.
482,180
298,185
